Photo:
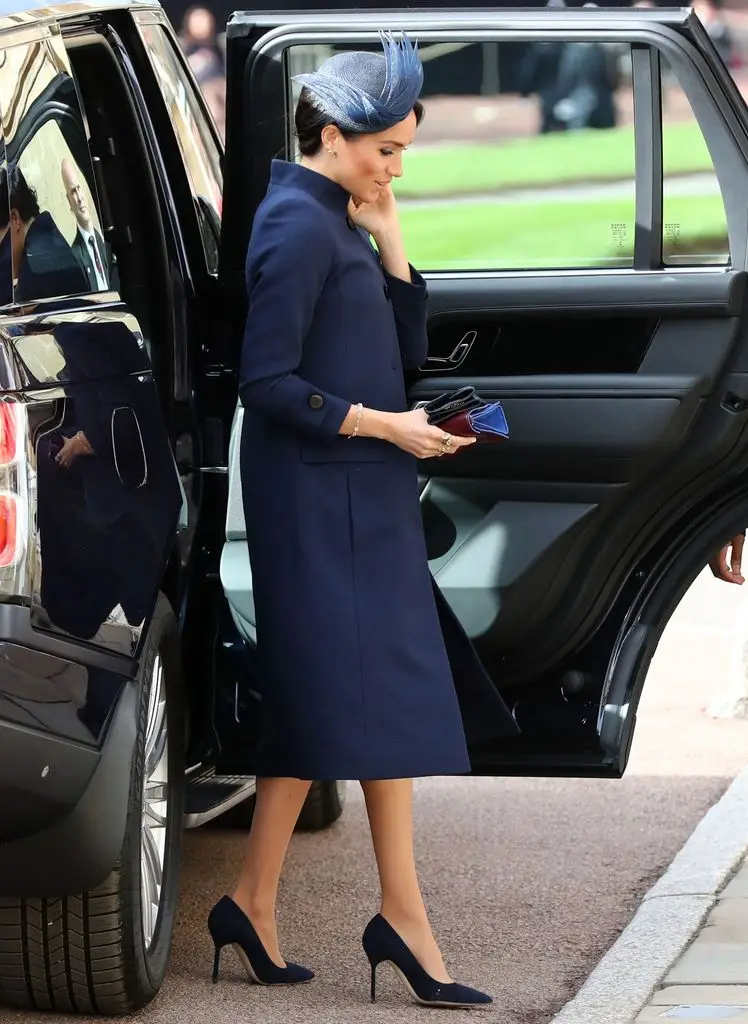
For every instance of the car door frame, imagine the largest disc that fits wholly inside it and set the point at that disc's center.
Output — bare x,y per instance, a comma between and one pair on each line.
641,599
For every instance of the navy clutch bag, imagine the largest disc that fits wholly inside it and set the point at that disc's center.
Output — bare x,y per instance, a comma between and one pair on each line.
465,414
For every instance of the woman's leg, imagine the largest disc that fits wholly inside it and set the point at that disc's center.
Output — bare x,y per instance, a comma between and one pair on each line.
277,808
389,804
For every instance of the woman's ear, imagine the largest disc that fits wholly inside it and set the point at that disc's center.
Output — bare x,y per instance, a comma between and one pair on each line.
330,137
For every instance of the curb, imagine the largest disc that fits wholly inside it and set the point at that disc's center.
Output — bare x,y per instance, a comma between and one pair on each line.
669,917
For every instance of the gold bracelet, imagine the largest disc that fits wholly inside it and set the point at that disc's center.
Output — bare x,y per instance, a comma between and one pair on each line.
360,409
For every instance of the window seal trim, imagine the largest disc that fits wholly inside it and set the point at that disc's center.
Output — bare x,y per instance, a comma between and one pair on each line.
648,157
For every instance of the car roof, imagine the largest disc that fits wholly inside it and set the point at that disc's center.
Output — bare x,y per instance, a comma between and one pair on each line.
17,13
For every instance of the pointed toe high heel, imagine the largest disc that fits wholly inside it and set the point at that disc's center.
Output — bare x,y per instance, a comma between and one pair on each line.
230,926
382,943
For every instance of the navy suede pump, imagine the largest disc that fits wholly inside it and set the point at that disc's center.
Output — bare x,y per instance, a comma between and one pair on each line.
382,943
230,926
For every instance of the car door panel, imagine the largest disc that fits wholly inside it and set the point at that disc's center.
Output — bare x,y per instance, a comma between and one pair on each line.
625,392
105,506
576,416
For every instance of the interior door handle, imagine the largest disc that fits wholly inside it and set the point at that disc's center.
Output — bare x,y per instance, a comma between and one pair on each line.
436,364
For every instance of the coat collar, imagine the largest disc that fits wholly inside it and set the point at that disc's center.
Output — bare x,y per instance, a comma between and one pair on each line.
326,191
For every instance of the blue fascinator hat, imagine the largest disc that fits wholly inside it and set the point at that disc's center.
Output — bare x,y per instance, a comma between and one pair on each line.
368,92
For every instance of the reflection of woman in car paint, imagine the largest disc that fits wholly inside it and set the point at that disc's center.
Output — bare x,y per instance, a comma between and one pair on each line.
44,265
106,490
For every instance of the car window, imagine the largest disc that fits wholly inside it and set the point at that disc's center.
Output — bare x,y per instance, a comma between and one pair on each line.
693,212
57,247
6,274
525,158
197,144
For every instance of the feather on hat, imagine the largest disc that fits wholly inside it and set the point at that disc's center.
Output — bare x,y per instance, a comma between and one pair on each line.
368,92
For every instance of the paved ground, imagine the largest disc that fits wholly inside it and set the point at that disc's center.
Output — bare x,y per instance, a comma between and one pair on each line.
529,881
710,981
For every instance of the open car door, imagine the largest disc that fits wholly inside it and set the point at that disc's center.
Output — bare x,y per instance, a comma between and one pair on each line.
604,306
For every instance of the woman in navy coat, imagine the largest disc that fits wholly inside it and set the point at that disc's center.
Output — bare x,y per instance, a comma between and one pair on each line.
357,681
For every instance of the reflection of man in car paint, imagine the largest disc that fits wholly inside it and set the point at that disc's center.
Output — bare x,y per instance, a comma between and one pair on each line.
88,244
44,265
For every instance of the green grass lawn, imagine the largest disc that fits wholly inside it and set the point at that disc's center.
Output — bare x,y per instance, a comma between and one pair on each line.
500,236
544,160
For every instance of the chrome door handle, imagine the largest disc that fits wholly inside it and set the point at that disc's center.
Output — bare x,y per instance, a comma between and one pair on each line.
436,364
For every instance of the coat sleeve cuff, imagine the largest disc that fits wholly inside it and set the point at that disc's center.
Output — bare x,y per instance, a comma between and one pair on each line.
414,290
320,413
298,403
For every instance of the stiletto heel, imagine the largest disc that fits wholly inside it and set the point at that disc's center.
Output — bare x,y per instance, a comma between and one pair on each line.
373,983
230,926
381,942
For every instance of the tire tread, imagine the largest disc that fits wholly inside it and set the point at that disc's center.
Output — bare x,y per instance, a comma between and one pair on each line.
71,954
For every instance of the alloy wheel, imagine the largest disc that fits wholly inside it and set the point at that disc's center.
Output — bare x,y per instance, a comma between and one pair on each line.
155,804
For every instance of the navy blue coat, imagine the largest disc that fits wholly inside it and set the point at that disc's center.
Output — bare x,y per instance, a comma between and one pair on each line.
357,682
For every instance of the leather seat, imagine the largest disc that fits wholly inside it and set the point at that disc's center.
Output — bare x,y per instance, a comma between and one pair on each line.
236,572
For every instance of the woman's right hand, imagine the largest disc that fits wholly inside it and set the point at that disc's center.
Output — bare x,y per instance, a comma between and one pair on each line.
412,432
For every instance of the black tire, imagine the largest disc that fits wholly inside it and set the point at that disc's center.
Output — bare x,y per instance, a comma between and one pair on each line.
322,807
86,953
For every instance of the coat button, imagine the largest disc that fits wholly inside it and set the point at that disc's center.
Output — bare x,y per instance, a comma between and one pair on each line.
316,401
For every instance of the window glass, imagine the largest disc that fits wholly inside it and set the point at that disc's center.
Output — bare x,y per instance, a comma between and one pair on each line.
196,141
525,158
57,247
6,274
694,223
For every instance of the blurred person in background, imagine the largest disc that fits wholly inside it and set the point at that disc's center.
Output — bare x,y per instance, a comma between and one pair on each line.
575,82
203,49
711,17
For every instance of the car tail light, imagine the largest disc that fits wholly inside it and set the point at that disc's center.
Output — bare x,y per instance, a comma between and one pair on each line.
8,433
8,529
15,507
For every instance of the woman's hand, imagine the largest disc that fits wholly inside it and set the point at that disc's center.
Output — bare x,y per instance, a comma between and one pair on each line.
412,432
72,447
380,219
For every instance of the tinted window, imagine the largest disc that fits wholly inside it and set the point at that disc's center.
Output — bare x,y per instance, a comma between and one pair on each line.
6,274
56,242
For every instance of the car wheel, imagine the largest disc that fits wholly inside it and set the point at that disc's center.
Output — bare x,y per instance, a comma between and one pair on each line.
105,951
322,807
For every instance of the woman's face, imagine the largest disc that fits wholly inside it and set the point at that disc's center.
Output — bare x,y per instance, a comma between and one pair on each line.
366,164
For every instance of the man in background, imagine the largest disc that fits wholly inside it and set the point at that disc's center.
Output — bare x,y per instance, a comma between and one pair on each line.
204,52
88,244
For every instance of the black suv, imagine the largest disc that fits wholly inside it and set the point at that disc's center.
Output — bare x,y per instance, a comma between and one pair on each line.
129,692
